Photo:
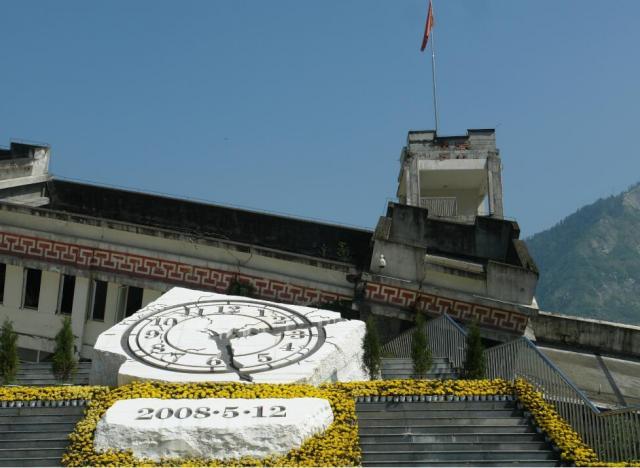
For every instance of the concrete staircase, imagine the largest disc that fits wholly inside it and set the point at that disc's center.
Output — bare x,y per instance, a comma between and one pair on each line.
36,436
402,368
40,374
463,433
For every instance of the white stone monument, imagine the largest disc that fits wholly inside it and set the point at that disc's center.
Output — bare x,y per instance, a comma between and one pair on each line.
211,428
195,336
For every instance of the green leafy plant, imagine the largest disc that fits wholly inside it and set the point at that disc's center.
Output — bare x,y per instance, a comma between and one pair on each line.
343,252
474,363
372,358
64,363
420,352
9,361
241,288
343,306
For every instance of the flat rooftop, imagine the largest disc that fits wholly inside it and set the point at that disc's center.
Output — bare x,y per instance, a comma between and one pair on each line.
312,238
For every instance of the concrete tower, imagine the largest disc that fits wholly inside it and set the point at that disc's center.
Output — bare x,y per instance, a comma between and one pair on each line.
454,177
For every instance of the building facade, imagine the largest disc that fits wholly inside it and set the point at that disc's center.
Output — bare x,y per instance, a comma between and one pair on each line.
98,254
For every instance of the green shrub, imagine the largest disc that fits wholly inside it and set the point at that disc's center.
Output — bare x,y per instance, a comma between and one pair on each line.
241,288
474,364
9,361
372,358
64,363
420,352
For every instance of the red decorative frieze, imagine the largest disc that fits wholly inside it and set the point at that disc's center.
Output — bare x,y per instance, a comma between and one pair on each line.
465,311
157,269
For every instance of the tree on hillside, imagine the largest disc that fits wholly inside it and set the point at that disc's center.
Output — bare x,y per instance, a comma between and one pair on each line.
420,352
64,363
9,362
372,358
474,364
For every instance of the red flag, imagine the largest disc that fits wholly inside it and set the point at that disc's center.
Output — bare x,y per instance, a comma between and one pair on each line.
427,28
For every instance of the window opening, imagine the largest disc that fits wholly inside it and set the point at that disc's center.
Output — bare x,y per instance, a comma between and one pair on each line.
67,289
31,290
99,300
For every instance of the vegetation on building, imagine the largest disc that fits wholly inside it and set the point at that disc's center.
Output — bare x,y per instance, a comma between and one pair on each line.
372,349
420,351
474,362
241,288
64,363
9,361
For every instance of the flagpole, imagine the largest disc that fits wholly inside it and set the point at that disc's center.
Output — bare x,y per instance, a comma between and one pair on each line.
433,74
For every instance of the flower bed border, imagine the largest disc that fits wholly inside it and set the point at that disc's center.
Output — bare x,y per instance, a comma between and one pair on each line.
17,395
337,446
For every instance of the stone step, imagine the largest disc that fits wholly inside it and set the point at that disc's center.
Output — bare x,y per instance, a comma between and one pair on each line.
409,365
392,406
30,461
518,463
458,456
403,429
68,410
46,374
48,370
38,419
395,360
460,437
429,414
371,447
44,427
50,382
36,377
24,435
409,375
439,368
34,452
48,364
447,421
409,370
42,442
41,373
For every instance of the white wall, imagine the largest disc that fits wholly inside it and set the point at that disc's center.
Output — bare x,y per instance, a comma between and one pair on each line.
296,269
41,323
44,322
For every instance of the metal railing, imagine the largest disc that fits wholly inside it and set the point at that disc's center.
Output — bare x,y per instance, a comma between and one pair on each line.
614,435
445,338
440,206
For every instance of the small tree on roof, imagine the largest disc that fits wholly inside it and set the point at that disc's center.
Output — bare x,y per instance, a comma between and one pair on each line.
372,356
64,363
238,287
420,352
9,361
474,363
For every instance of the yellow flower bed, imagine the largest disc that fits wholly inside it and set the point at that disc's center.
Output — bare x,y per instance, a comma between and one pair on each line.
337,446
573,449
461,388
65,392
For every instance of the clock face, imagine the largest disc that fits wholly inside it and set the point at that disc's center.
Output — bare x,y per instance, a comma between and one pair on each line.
224,336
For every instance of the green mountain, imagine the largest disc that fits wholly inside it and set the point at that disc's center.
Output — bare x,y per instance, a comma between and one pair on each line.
590,262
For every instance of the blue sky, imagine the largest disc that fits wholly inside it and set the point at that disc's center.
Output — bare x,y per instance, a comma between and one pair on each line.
302,107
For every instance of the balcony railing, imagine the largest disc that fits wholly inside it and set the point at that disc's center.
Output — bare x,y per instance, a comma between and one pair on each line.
440,206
